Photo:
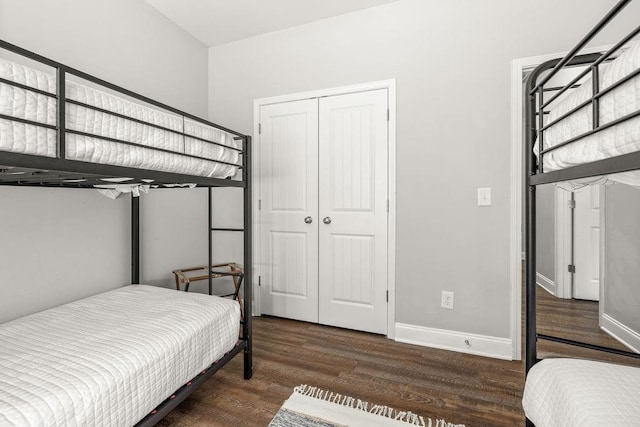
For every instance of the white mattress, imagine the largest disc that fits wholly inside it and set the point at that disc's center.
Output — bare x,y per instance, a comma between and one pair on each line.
108,360
571,392
620,139
29,139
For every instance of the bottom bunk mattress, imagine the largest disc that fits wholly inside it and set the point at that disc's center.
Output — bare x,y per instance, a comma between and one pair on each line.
572,392
112,358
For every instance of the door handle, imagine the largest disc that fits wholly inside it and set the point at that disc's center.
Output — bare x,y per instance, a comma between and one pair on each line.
308,220
327,220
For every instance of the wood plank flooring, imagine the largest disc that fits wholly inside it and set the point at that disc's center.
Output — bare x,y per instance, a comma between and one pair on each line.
461,388
577,320
474,390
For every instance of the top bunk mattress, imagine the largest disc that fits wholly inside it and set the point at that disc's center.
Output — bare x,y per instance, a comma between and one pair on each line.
112,358
582,393
26,138
614,141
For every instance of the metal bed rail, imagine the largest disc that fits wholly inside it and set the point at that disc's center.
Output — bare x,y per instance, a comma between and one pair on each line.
535,126
60,127
36,170
537,89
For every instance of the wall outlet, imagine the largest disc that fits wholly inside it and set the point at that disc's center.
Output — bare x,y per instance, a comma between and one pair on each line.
484,196
447,300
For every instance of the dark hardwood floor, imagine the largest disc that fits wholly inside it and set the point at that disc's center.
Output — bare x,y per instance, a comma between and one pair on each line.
474,390
577,320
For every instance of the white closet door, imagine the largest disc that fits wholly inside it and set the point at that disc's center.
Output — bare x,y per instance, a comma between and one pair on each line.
353,211
586,242
289,195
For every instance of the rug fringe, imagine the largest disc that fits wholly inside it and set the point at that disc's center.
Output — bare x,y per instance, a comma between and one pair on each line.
385,411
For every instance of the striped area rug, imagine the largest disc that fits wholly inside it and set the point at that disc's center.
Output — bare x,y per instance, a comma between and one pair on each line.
313,407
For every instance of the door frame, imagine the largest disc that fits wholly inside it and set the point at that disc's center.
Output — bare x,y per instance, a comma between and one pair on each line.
518,68
390,85
569,291
563,235
561,282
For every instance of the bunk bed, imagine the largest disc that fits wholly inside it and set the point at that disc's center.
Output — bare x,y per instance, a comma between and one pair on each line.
81,363
585,132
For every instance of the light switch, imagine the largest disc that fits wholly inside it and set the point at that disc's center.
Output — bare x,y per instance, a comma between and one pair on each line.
484,196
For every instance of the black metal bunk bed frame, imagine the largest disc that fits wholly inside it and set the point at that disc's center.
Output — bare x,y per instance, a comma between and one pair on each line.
535,175
19,169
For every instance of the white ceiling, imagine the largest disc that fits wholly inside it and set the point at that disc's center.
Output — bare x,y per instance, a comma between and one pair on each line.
215,22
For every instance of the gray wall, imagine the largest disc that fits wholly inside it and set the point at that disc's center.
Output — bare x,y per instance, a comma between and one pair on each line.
452,63
545,243
622,251
60,245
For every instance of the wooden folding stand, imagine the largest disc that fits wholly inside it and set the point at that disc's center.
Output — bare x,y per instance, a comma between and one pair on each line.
235,272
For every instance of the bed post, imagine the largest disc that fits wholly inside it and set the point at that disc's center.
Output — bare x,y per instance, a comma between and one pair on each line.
61,122
530,223
135,239
248,262
210,234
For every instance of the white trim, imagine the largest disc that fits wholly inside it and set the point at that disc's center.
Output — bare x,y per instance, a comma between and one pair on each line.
546,283
342,90
518,67
601,300
255,219
621,332
390,85
563,233
481,345
391,218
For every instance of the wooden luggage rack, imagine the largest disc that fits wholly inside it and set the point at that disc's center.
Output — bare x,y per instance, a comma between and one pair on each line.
185,276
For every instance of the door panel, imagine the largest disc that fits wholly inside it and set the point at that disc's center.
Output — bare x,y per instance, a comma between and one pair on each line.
587,243
353,254
353,146
289,194
289,275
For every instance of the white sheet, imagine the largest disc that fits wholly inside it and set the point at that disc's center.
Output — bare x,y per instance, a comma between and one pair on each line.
108,360
617,140
29,139
582,393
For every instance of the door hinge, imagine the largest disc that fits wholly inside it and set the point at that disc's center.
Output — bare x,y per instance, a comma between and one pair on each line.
259,280
571,268
259,128
387,296
572,204
259,204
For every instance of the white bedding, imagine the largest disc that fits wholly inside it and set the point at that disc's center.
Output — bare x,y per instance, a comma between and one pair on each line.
619,139
30,139
108,360
582,393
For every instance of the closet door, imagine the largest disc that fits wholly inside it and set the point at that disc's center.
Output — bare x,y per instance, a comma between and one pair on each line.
586,243
353,151
289,206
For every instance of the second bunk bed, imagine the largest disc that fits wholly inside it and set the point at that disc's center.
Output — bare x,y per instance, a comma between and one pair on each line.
131,355
585,132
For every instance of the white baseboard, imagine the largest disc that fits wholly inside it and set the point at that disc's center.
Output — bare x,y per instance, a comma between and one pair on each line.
481,345
621,332
546,283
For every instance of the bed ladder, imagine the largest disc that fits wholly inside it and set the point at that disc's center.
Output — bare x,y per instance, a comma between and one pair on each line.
247,294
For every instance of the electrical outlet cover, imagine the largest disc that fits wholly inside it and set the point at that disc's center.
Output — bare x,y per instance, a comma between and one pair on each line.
447,300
